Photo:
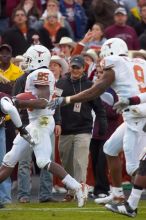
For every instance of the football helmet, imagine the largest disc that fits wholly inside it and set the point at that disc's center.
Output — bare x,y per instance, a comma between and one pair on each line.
114,46
35,57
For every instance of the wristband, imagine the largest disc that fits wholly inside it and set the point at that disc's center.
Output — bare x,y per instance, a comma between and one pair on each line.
67,99
134,100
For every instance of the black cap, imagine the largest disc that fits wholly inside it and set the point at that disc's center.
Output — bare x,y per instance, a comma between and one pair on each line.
6,46
77,61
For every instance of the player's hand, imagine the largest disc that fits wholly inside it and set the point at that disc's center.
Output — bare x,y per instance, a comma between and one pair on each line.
53,104
121,104
3,79
24,133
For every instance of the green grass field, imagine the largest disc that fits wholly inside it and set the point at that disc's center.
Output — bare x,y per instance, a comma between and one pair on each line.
63,211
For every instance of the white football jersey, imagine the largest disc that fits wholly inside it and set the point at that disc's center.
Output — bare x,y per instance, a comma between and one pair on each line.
42,76
130,75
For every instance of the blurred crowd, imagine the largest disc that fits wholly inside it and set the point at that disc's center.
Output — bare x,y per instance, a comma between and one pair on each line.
67,28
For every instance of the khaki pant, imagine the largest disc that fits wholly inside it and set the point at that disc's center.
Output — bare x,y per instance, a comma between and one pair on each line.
74,151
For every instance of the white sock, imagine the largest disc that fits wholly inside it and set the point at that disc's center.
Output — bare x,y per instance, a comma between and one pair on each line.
134,198
117,191
70,182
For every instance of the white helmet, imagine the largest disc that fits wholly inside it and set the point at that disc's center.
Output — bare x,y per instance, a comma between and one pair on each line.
36,56
114,46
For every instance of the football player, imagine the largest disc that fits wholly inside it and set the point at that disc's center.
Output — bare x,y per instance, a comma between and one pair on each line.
127,207
41,83
7,107
128,78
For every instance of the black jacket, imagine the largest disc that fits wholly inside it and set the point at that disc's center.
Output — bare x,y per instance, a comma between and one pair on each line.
79,122
15,38
45,36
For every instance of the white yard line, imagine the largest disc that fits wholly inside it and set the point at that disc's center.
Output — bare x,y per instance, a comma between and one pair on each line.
60,209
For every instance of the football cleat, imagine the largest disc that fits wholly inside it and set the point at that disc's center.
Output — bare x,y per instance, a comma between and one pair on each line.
82,194
122,208
115,200
104,200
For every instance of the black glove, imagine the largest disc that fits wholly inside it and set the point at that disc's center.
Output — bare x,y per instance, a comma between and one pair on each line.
24,133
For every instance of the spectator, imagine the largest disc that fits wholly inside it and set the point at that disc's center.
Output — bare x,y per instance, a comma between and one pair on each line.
53,7
101,11
76,122
140,27
90,58
18,60
76,17
120,30
142,40
4,19
11,5
53,30
32,11
98,37
134,17
7,68
66,46
10,72
58,66
20,34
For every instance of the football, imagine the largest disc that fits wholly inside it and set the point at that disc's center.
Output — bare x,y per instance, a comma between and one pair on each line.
25,96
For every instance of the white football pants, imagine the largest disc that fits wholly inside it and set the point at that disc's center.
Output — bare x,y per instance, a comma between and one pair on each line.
42,150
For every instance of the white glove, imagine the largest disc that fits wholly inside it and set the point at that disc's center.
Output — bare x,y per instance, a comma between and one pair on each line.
121,104
55,103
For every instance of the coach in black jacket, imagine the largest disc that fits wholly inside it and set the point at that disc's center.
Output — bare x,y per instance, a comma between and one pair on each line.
77,121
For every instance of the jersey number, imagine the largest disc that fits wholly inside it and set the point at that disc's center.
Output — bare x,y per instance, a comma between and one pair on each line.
139,76
42,76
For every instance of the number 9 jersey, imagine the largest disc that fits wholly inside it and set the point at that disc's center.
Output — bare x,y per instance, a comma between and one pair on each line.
130,75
